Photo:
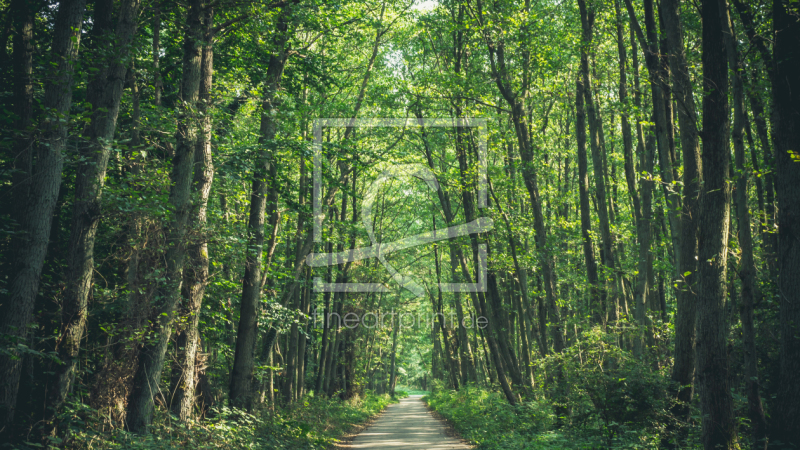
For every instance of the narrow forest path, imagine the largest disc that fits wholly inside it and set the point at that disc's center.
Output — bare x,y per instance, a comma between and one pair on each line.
407,425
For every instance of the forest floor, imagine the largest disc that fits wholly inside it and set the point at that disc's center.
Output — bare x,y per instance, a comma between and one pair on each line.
407,425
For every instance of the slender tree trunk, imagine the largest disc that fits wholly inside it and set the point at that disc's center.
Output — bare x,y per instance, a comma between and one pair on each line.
747,269
518,118
683,368
450,355
716,403
760,43
241,392
649,44
392,374
29,248
323,345
151,355
583,196
600,310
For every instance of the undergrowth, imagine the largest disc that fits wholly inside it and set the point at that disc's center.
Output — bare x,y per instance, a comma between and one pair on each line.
599,397
314,423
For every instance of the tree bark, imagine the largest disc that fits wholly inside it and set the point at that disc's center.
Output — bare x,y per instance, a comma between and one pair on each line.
649,44
747,269
583,196
195,274
600,310
716,403
683,368
241,392
29,248
89,183
151,355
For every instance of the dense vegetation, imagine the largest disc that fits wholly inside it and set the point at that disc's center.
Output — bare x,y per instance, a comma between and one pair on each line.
620,181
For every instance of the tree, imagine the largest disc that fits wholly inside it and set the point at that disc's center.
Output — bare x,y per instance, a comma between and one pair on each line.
29,248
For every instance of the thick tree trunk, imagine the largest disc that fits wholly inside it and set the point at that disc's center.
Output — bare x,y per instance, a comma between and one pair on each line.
195,274
151,355
89,183
29,248
716,403
786,95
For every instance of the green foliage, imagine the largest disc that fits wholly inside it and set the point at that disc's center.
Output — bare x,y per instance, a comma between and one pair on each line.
592,395
411,390
315,423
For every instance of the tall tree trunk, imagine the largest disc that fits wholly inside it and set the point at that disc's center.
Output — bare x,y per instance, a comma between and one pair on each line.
29,248
600,310
450,356
657,85
683,368
747,269
716,403
241,392
583,196
107,90
323,345
151,355
760,43
518,118
456,256
195,274
786,95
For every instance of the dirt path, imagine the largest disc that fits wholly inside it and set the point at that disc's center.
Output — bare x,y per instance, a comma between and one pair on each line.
407,425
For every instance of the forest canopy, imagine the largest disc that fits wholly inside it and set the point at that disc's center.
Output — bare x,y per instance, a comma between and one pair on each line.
570,224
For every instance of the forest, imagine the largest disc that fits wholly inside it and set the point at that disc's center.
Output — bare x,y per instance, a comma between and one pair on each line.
255,224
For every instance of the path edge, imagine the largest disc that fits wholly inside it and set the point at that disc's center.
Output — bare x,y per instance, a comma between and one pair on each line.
343,442
449,427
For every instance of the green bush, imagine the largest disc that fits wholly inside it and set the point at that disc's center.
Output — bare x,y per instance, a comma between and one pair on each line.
593,395
313,423
400,393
